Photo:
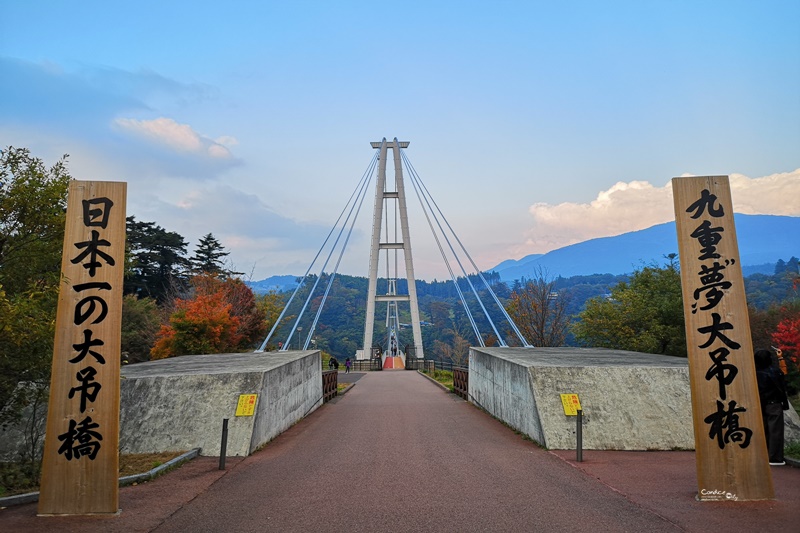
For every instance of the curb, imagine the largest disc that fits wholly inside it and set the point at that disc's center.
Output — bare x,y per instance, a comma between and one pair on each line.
31,497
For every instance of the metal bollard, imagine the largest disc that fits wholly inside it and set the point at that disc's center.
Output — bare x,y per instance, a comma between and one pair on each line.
580,435
223,449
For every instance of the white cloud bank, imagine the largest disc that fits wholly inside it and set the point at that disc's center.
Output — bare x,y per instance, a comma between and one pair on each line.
639,204
178,137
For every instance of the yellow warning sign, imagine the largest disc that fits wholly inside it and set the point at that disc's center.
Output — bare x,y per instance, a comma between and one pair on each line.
571,404
247,405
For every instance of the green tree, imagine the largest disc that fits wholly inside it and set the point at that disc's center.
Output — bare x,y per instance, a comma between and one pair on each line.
209,257
270,305
32,215
141,321
644,314
157,261
33,200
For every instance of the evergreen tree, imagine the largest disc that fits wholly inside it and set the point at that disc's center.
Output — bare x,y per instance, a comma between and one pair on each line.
209,257
157,261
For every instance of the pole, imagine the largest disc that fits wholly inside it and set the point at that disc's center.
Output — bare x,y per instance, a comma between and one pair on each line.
579,419
223,448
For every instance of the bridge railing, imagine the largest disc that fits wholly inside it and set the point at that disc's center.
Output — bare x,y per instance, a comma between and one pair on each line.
461,382
460,373
362,365
429,365
330,385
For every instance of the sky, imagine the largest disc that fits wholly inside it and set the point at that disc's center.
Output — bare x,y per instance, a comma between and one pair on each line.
534,125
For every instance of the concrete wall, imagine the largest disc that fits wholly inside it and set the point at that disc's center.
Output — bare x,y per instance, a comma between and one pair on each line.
180,403
630,401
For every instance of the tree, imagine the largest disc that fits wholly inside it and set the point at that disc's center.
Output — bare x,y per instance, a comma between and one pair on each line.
787,338
33,201
242,301
157,261
141,321
199,326
455,349
540,311
271,305
644,314
208,257
32,216
222,316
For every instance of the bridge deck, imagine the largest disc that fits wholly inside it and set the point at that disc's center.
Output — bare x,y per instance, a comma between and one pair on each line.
396,453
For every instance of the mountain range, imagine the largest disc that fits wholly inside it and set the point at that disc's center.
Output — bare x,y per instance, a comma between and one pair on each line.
763,240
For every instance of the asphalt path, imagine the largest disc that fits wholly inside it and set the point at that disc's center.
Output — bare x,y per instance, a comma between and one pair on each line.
396,453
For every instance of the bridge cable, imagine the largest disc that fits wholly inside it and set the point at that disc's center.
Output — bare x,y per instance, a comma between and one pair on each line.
480,274
336,268
322,270
477,270
446,261
366,177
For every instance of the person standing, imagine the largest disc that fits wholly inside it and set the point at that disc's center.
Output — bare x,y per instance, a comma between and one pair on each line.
347,366
772,393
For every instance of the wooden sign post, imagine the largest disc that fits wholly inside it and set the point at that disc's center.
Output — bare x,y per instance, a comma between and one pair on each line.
731,452
80,470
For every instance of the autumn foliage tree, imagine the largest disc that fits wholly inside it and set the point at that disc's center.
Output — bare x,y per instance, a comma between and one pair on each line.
198,326
787,338
222,316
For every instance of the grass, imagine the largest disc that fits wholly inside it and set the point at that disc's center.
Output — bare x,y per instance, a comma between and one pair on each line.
18,478
792,450
445,377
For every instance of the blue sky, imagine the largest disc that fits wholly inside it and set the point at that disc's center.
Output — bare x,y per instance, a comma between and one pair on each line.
534,124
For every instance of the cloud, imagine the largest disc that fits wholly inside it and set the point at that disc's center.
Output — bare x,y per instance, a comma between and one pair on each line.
776,194
259,237
179,137
77,110
638,205
227,140
82,100
229,213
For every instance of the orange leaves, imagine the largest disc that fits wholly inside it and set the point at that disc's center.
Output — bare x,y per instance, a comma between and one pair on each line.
211,322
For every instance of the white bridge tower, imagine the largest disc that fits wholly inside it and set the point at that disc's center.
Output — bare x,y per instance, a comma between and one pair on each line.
384,199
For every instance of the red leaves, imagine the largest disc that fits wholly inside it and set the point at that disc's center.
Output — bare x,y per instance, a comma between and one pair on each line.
787,337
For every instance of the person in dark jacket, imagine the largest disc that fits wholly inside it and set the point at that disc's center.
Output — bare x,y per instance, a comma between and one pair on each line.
772,393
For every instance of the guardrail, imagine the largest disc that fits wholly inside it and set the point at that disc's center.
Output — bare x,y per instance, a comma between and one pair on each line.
330,385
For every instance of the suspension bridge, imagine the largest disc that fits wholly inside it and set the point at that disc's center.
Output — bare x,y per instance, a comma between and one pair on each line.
391,254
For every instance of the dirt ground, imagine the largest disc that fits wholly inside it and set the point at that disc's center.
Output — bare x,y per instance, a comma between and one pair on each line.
139,463
15,481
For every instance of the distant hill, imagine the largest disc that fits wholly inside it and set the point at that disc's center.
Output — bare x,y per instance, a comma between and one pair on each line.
273,283
763,239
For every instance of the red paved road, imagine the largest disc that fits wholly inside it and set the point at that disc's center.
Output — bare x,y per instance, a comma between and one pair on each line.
396,453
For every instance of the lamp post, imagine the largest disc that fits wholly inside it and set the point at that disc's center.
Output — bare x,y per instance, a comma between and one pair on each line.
299,338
